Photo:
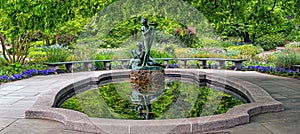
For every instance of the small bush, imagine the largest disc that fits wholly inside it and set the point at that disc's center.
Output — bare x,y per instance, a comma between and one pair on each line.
38,43
37,55
209,42
287,59
57,53
246,51
268,42
293,45
2,61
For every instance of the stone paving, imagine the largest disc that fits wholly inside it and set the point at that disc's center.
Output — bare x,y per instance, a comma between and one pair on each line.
17,97
283,89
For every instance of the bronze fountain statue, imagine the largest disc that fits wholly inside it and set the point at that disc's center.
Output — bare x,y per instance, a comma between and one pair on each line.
142,59
147,76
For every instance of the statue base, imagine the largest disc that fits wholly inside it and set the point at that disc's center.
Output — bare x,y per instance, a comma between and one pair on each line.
158,68
147,81
146,86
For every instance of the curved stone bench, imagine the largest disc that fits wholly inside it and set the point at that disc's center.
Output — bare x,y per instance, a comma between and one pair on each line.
260,102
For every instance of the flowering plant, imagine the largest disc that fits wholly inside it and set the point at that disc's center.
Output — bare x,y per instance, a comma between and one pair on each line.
26,74
271,70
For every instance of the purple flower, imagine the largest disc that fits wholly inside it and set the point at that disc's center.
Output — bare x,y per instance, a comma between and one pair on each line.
18,76
11,78
3,78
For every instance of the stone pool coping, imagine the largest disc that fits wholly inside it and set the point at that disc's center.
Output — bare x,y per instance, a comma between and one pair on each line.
261,102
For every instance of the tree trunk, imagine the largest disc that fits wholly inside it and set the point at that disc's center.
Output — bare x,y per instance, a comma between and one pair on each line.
18,53
4,50
47,41
246,37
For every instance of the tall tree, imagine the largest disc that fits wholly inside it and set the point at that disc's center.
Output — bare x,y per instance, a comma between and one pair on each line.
247,19
22,20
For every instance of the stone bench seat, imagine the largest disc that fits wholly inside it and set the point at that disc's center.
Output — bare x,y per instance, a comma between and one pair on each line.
237,63
70,64
297,68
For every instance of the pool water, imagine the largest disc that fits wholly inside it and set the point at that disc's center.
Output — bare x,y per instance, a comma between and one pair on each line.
179,100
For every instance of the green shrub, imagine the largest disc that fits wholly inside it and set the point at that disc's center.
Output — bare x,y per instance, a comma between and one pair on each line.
17,68
209,42
287,58
268,42
159,54
37,55
38,43
293,45
264,58
247,51
2,61
232,52
57,53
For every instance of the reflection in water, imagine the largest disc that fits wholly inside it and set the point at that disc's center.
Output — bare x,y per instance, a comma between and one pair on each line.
179,100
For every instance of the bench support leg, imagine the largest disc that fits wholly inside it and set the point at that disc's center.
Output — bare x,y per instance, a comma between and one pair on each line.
183,63
221,64
124,64
237,65
107,65
203,64
88,65
70,67
166,63
53,67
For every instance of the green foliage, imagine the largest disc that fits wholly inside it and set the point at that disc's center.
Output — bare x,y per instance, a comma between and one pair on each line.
159,54
24,21
293,45
2,61
119,24
105,54
209,42
187,36
193,64
38,44
116,103
12,69
287,58
264,58
232,53
18,68
268,42
72,103
37,55
212,102
57,53
247,51
249,19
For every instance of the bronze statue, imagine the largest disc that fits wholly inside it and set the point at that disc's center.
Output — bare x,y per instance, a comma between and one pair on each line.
141,56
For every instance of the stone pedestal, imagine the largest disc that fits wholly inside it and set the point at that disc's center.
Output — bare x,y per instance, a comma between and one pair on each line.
147,82
146,86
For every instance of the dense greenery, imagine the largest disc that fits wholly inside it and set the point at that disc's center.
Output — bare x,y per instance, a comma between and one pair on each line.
180,100
23,21
287,58
57,53
51,20
17,68
269,42
251,19
208,28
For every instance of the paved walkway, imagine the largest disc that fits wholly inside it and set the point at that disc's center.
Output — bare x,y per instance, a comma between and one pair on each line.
16,97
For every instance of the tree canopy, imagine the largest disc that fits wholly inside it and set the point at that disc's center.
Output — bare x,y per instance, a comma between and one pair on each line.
250,19
23,20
